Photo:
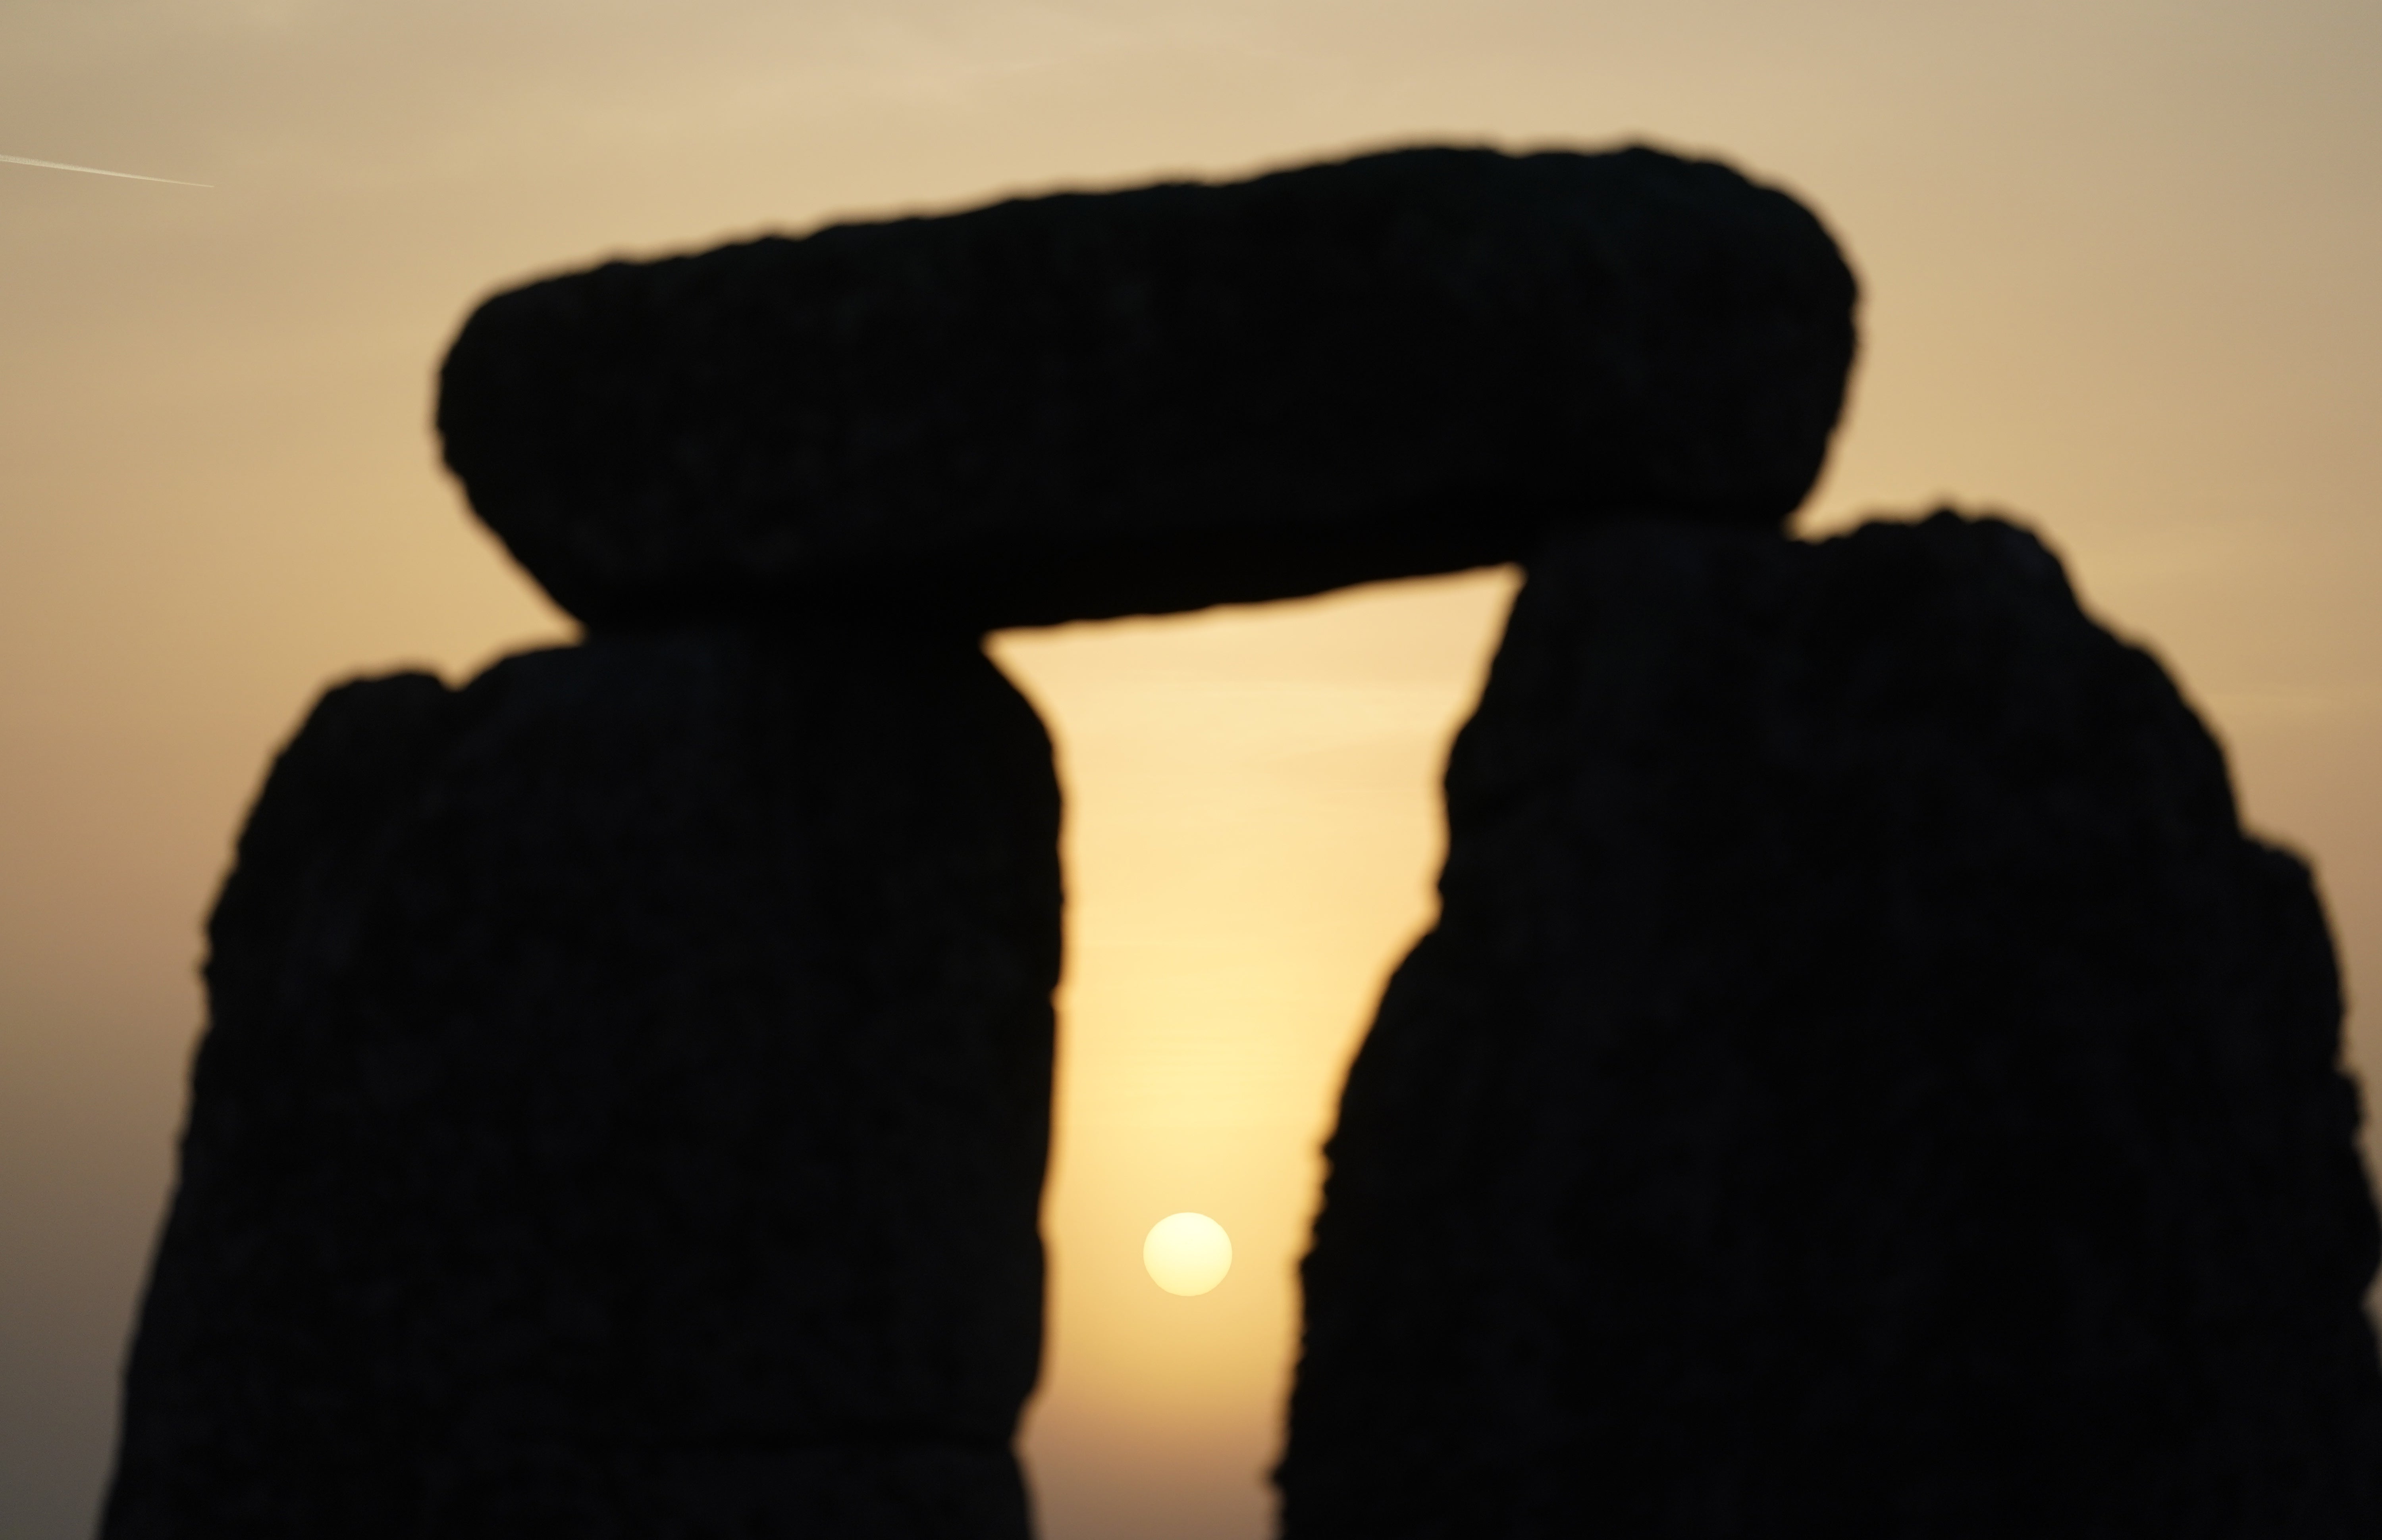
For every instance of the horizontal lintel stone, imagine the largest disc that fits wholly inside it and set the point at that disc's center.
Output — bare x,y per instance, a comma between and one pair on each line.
1088,404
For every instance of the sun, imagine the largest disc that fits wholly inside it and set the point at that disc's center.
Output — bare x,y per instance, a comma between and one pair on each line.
1188,1253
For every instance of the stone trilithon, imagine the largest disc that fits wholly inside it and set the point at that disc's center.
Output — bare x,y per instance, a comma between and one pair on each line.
1863,1082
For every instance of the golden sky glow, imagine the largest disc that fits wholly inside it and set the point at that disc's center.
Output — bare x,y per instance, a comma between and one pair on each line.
2118,262
1251,836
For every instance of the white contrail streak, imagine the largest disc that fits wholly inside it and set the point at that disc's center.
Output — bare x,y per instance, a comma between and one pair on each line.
61,165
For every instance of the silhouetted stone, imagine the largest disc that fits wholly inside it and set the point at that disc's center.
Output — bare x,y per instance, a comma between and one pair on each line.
1863,1084
623,1112
1078,406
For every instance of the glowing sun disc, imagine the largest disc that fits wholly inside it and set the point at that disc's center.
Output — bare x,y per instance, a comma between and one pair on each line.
1188,1253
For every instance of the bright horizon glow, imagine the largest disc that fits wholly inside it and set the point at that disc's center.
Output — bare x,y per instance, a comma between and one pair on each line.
1188,1253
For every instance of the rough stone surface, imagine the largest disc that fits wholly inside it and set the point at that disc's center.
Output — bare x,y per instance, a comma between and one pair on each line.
623,1111
1068,407
1863,1084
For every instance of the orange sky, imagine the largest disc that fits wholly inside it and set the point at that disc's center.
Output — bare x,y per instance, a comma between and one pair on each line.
2118,260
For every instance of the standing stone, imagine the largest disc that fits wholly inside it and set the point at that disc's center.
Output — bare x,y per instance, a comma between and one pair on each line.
1057,408
624,1110
1864,1083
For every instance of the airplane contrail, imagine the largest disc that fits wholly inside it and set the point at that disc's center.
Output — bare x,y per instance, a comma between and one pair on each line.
61,165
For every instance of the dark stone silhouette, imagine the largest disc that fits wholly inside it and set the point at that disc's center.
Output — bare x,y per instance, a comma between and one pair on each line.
1863,1084
1080,406
623,1112
624,1106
